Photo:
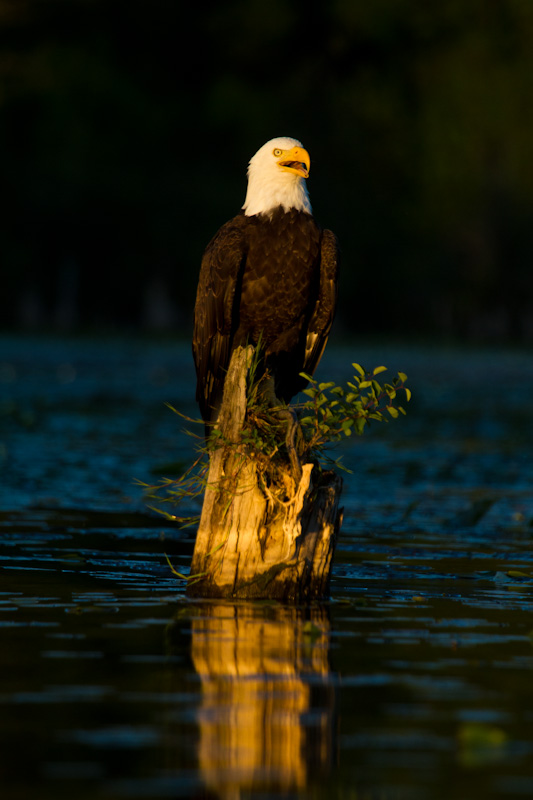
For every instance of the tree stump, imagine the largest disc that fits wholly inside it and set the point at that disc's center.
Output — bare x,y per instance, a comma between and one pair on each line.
259,541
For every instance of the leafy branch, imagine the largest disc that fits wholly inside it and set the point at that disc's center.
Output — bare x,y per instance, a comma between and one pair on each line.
334,411
330,414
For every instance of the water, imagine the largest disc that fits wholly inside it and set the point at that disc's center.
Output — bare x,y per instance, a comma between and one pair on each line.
414,681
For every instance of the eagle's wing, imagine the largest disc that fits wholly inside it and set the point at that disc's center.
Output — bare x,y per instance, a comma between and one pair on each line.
324,310
214,313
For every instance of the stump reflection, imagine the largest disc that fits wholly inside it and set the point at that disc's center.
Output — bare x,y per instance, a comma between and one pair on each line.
266,718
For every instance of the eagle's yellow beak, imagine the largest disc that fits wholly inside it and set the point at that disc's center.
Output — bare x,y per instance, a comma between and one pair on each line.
295,160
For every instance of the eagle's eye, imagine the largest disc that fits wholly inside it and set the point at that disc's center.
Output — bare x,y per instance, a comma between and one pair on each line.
277,151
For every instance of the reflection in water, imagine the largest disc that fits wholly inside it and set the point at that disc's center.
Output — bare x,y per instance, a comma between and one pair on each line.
267,712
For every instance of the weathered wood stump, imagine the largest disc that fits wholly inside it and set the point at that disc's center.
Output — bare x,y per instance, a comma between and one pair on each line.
257,538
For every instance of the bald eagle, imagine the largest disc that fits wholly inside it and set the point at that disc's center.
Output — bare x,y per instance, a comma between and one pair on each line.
269,275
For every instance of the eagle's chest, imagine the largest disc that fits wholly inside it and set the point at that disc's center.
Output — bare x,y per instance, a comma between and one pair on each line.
280,277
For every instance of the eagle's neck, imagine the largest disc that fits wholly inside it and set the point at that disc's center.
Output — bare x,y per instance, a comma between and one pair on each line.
267,192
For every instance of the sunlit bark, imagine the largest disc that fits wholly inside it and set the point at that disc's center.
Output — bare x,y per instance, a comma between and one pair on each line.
250,543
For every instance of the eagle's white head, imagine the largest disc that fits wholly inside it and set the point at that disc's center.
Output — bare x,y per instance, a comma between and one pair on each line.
276,177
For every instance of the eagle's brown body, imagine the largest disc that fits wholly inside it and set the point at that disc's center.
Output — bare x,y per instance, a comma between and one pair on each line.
268,277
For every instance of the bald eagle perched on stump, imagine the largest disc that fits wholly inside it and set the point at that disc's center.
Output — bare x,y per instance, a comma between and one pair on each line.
269,275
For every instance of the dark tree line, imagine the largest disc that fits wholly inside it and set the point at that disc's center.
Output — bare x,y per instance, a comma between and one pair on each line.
125,130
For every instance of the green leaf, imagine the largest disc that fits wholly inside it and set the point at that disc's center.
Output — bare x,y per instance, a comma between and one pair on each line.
377,370
402,376
365,384
359,369
393,411
359,424
408,393
347,427
307,377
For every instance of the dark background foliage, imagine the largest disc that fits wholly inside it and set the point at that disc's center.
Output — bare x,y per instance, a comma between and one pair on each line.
126,127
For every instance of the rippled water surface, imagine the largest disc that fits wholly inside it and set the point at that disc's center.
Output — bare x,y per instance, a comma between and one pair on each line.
414,681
